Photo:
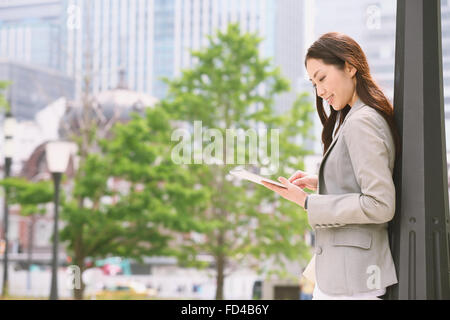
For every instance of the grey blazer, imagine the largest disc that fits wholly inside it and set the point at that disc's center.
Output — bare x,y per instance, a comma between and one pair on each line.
354,203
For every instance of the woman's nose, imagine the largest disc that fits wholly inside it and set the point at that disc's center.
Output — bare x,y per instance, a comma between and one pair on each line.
321,92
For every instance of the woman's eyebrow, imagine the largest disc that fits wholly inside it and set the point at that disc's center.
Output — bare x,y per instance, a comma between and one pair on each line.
314,74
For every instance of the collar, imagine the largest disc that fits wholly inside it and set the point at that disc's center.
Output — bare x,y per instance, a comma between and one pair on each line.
356,106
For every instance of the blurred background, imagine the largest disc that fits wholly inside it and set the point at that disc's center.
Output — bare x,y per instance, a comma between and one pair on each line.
75,69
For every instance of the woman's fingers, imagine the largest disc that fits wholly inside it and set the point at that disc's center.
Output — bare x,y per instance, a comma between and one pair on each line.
300,182
292,193
284,181
297,174
272,186
304,183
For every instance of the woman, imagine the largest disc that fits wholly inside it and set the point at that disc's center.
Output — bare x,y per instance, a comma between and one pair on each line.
356,193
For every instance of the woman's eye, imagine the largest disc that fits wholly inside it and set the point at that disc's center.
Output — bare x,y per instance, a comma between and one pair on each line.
322,79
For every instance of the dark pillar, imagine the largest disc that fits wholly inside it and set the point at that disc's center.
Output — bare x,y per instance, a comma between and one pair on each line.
5,286
419,233
30,250
55,262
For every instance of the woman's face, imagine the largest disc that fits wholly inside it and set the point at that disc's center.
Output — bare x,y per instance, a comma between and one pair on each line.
337,87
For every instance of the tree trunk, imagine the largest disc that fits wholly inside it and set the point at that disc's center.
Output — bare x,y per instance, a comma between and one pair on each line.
79,258
79,286
220,265
30,250
220,276
78,293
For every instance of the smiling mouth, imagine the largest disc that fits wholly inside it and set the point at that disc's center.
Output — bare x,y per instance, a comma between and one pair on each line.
330,99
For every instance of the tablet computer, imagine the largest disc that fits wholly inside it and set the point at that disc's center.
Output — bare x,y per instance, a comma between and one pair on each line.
244,174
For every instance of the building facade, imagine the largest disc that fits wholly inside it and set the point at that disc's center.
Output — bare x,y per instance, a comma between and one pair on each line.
33,88
31,32
149,39
153,39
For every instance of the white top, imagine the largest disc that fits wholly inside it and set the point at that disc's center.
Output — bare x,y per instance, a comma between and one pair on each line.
373,295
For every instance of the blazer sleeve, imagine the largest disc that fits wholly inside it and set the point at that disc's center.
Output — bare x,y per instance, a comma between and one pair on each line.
369,148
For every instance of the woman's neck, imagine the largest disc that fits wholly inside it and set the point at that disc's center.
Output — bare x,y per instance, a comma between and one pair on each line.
353,99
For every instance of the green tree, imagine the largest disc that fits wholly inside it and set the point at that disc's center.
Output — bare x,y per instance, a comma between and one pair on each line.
29,195
138,220
134,221
248,222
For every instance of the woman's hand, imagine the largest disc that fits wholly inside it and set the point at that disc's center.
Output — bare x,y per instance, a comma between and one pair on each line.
292,193
304,180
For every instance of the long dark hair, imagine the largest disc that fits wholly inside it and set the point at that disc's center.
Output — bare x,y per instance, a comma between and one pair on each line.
335,48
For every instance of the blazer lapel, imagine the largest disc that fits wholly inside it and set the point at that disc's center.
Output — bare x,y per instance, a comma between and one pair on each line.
330,147
358,105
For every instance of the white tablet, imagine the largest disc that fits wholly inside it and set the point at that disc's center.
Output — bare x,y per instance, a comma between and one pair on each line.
244,174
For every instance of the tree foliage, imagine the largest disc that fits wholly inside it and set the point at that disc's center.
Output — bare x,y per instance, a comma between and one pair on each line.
29,195
129,199
231,86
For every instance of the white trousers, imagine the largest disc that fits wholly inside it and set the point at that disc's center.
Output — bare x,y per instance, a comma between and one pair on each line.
319,295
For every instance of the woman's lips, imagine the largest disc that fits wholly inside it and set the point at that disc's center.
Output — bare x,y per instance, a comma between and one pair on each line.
330,99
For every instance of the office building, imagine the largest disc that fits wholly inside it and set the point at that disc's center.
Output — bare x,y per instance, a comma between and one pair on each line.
31,31
153,39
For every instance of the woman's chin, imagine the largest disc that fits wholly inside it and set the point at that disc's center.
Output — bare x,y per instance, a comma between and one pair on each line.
337,107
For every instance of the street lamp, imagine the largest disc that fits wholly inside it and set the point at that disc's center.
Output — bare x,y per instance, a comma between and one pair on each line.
57,156
9,127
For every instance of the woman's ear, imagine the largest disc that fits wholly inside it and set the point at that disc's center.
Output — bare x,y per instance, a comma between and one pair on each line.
350,70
